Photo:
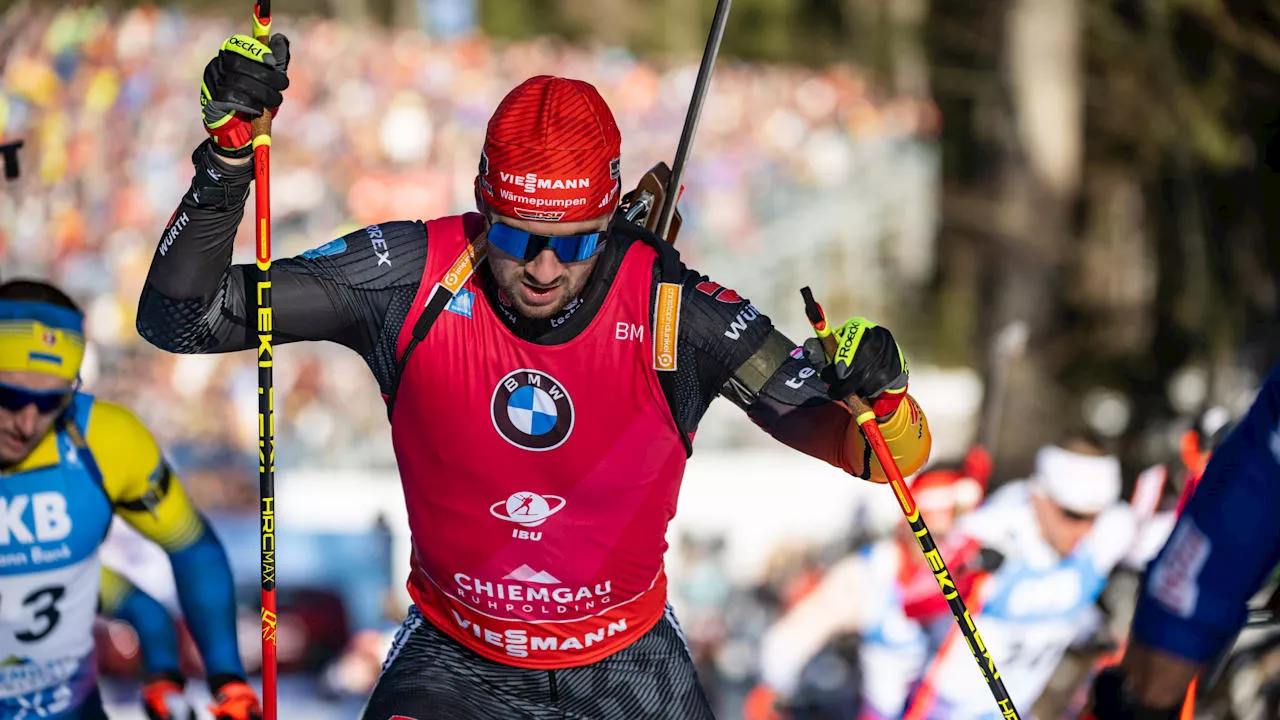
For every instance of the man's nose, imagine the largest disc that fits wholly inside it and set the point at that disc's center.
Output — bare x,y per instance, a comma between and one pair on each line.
25,419
546,268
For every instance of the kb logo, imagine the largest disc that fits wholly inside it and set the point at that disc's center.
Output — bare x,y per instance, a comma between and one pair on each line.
48,512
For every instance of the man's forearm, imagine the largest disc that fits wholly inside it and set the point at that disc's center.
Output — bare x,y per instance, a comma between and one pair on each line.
783,394
196,301
191,277
820,431
195,248
206,591
830,433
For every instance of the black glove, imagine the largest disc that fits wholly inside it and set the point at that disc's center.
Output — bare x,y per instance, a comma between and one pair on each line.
868,364
244,79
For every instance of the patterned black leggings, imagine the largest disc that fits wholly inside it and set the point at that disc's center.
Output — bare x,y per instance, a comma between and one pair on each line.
429,676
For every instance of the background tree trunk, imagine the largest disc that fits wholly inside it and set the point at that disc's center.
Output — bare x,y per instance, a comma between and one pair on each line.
1008,77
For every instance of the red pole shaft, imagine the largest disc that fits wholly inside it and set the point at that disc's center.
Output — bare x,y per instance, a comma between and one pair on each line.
266,390
266,420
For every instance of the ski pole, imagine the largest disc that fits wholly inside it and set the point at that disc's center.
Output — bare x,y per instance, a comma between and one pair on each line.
866,419
700,87
266,391
926,696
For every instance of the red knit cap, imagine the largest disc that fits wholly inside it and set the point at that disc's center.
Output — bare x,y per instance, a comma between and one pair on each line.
551,153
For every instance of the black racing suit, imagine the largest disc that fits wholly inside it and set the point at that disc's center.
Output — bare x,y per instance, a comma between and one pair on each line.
357,291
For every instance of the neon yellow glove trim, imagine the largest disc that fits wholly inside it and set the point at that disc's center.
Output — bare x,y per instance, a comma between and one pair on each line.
247,47
850,337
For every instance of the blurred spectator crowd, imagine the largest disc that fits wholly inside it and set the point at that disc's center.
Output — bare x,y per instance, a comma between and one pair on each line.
375,126
856,629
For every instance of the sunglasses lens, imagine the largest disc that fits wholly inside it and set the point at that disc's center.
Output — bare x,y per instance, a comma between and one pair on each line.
16,399
52,402
521,244
575,248
509,240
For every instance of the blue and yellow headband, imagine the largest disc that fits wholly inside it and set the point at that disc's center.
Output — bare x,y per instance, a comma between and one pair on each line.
41,337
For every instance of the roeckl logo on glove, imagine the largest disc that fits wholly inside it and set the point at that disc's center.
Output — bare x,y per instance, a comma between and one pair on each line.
849,343
254,48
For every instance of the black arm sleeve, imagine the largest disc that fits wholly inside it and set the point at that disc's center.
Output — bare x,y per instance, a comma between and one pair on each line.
354,290
727,347
730,348
719,331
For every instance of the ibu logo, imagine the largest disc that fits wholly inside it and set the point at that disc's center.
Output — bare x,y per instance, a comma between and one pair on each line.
528,510
531,410
39,517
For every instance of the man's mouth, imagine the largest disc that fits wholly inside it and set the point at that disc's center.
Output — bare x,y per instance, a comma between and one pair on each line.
538,295
10,441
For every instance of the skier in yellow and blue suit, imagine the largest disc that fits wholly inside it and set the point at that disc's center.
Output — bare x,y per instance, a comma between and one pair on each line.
68,463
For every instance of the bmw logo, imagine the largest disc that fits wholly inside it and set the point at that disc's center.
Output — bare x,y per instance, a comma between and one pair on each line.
531,410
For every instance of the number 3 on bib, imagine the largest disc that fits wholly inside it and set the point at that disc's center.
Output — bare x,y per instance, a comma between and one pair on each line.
41,607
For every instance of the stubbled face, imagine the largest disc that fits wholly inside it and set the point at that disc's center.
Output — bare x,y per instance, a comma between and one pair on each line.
21,430
543,286
1062,529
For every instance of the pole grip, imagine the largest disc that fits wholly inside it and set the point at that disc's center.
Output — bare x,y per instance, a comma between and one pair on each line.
262,20
261,125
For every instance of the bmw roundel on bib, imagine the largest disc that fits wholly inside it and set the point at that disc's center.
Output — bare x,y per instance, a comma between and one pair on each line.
532,410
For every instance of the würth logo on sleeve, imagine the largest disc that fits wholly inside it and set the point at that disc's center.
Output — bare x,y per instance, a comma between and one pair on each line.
531,410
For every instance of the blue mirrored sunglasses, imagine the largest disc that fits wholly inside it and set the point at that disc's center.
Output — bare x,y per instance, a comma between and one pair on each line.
527,245
16,399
